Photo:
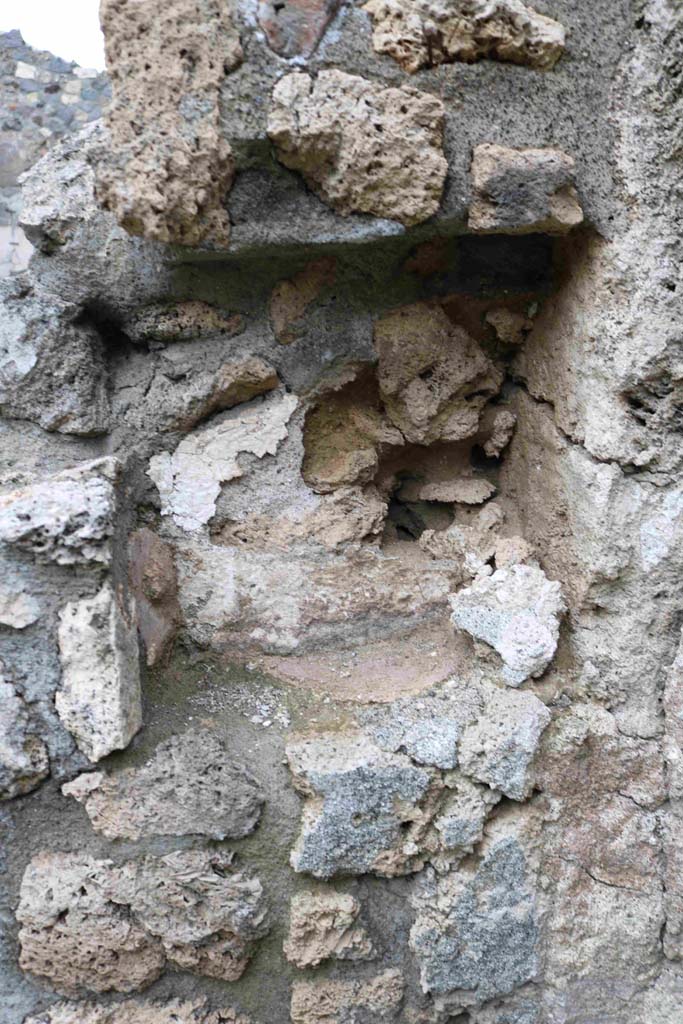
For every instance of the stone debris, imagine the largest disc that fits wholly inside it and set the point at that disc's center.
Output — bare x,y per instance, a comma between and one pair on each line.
348,1002
427,728
181,321
52,363
364,807
362,148
154,586
323,926
476,929
471,544
168,168
190,786
496,429
67,518
133,1011
99,700
517,611
18,609
87,924
24,761
523,191
433,378
291,298
426,33
295,28
189,481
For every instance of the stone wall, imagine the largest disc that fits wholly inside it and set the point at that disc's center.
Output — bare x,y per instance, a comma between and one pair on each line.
41,98
340,523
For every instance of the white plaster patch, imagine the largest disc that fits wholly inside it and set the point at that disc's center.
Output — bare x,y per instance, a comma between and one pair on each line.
189,481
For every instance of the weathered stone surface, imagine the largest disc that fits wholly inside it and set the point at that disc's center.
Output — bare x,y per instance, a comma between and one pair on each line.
472,544
323,926
167,169
520,191
292,297
189,481
57,192
517,611
206,914
18,609
99,701
433,378
364,808
189,787
462,814
476,929
344,435
181,321
498,748
347,1002
362,148
294,28
24,761
425,33
67,518
178,401
73,933
154,585
511,328
133,1011
52,363
87,924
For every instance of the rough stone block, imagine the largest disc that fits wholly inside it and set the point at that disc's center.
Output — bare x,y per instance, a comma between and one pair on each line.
189,787
523,191
360,147
99,701
517,611
67,518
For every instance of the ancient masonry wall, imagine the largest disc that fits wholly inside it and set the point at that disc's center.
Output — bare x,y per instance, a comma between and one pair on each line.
341,519
41,98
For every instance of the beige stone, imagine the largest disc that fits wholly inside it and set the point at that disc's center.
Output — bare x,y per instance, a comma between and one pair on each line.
184,403
167,169
207,914
99,700
322,926
336,1002
189,787
291,298
87,924
425,33
510,327
133,1011
344,434
434,379
362,148
74,935
523,191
